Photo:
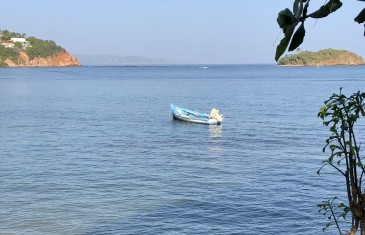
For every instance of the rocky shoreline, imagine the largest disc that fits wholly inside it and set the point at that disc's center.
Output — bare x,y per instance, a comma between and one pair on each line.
61,59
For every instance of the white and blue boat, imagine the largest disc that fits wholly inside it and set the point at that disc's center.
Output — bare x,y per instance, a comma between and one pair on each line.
183,114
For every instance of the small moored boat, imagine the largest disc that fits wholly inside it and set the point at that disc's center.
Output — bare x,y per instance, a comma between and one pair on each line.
183,114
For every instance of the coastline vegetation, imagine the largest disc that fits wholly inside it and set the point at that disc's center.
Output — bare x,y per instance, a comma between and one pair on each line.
340,113
42,48
6,35
8,53
32,46
312,58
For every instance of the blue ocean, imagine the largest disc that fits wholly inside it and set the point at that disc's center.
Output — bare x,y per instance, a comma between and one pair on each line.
94,150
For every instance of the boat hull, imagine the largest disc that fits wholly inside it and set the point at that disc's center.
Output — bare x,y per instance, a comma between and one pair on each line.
187,115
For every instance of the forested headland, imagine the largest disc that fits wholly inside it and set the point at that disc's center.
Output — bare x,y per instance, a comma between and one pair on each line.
17,50
326,57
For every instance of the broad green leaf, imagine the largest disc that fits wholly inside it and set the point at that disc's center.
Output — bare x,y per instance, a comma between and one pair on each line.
323,110
298,8
297,38
285,18
360,18
327,9
280,49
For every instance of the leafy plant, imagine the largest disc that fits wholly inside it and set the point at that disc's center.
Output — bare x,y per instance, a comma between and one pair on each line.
334,212
341,113
288,21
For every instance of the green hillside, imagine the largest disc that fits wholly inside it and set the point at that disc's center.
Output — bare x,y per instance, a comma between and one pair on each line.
12,43
322,57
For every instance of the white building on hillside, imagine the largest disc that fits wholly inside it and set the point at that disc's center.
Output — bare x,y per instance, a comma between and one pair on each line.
23,41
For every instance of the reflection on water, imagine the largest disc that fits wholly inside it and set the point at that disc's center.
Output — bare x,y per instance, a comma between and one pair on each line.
215,131
215,148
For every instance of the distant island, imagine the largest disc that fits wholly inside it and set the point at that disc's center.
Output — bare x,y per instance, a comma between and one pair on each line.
327,57
17,50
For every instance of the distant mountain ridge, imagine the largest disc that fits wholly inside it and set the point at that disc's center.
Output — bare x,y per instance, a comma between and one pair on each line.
113,60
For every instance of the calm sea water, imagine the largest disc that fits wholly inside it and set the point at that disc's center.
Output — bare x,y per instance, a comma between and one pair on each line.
94,150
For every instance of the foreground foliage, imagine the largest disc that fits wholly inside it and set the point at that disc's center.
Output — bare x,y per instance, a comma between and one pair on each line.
289,20
340,113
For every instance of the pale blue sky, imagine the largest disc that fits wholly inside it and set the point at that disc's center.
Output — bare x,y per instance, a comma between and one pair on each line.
192,31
